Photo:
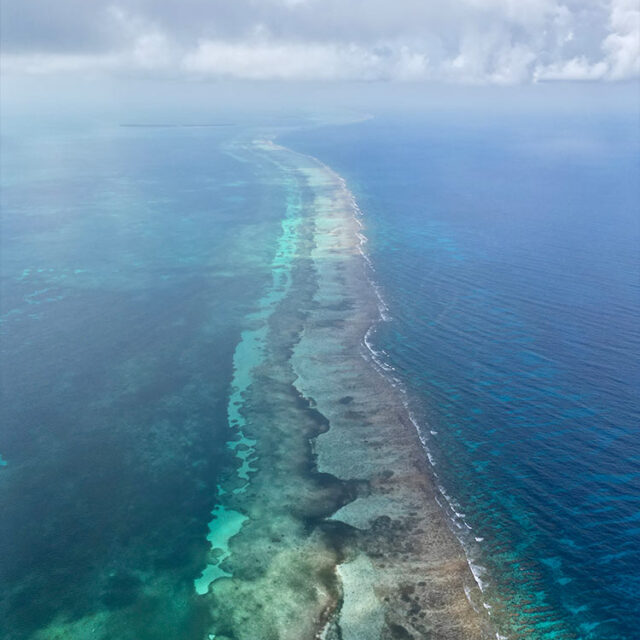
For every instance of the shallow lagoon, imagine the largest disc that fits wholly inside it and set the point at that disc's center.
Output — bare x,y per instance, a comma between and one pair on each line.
131,258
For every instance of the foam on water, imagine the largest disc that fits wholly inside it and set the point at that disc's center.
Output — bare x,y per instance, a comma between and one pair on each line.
377,356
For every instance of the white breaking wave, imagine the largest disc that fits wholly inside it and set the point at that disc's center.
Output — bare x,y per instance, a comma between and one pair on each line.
452,508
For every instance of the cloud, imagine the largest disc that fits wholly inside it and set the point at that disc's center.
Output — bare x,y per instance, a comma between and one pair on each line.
622,45
297,61
619,51
575,69
462,41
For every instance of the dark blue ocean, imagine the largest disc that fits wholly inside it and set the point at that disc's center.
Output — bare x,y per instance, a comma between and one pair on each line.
508,251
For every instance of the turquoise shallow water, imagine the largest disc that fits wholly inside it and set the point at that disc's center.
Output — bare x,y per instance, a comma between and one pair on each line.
132,261
506,249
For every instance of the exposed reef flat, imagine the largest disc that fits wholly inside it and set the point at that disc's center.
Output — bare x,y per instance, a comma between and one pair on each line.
342,537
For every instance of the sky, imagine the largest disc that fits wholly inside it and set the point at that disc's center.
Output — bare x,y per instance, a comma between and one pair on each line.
457,42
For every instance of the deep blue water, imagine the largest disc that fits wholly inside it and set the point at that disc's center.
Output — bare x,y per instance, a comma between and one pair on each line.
507,248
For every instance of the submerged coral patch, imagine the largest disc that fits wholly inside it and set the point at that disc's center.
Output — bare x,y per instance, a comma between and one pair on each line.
339,507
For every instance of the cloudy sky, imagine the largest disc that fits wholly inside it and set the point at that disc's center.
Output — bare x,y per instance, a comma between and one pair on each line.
456,41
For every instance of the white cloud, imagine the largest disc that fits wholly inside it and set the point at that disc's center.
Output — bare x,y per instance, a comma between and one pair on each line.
462,41
575,69
622,45
152,51
489,57
280,60
268,60
619,52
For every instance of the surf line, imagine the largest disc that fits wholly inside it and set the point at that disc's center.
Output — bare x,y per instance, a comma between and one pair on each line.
249,353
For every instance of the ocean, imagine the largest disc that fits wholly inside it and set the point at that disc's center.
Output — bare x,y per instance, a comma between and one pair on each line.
506,248
131,257
170,293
